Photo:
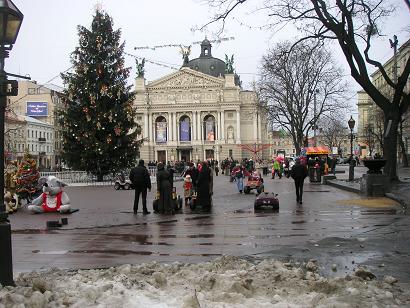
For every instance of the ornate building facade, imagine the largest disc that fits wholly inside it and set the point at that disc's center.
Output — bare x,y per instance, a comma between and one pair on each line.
199,112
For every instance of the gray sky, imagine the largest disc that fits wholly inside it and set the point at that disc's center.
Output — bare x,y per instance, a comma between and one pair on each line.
49,34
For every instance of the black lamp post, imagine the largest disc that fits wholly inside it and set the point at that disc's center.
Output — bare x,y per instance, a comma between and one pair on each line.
10,22
351,123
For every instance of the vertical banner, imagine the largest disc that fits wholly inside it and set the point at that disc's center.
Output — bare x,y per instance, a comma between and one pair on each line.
185,130
161,132
209,129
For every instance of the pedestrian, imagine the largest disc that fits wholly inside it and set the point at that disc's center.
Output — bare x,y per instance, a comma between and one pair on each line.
298,174
140,178
204,187
239,175
187,189
216,170
276,169
164,189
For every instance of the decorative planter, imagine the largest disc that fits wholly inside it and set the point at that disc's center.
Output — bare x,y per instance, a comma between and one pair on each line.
374,165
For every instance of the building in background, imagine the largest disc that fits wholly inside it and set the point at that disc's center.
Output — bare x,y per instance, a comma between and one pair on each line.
370,119
37,105
281,142
199,112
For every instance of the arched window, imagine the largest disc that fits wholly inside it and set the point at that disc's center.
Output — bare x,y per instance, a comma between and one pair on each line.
209,128
161,130
184,128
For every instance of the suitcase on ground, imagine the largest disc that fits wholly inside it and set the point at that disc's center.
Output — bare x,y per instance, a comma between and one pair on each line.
268,200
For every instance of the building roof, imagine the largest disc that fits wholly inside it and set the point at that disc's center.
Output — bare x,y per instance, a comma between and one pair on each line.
32,120
206,63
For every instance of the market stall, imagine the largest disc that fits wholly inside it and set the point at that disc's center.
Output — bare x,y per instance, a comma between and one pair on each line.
316,159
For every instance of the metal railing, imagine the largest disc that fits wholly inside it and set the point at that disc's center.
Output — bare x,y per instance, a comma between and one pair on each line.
74,177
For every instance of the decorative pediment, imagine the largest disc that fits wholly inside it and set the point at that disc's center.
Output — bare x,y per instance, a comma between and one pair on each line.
186,78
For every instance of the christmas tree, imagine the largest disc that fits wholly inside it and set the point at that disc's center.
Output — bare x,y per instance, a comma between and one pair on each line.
99,131
27,177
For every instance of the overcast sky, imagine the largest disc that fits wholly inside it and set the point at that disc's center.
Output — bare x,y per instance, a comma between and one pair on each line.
49,34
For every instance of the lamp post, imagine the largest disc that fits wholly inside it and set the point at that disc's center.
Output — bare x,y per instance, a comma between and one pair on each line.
351,123
10,22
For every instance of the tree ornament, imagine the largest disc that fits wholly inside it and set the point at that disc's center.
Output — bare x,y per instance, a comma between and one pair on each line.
88,118
83,41
117,131
99,40
104,90
85,109
100,69
110,118
98,125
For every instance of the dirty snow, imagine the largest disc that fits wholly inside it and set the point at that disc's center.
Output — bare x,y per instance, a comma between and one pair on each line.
225,282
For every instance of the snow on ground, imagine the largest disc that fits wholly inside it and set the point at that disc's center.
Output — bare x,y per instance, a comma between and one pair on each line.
225,282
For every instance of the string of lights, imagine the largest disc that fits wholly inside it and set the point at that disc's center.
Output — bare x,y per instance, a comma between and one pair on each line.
219,40
151,61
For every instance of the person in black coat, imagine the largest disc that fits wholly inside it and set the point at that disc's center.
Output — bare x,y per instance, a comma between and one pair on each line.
205,185
298,174
164,189
140,178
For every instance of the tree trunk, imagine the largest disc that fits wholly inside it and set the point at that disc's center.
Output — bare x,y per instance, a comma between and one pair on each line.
390,145
402,146
403,151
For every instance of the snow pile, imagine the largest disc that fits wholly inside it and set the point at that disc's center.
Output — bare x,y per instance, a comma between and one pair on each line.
224,282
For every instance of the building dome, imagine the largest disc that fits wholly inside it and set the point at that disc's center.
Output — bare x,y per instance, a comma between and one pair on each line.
206,63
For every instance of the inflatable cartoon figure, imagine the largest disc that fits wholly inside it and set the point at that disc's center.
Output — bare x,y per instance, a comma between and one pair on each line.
53,198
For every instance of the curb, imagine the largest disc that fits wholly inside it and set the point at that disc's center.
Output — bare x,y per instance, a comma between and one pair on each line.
337,184
404,203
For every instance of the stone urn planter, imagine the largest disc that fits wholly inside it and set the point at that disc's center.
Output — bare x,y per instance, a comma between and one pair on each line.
374,165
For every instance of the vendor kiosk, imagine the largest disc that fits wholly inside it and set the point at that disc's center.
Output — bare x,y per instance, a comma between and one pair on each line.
316,158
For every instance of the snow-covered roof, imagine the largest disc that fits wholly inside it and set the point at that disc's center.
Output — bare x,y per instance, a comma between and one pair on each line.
32,120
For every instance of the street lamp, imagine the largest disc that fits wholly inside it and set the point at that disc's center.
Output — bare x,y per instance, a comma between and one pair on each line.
10,22
351,123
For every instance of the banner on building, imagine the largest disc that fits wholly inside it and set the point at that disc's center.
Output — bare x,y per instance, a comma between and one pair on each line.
37,109
210,134
161,132
185,131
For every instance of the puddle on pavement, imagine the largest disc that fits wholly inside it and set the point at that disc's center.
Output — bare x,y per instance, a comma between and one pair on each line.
50,252
376,203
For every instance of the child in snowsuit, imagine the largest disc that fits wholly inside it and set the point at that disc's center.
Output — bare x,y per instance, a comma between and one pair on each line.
187,189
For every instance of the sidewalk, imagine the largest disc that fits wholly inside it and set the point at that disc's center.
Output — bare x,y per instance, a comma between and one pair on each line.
400,192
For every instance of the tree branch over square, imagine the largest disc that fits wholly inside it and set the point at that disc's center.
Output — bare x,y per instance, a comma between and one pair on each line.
352,24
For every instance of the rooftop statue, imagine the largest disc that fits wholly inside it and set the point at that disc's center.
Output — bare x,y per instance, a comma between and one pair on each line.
140,67
185,51
229,65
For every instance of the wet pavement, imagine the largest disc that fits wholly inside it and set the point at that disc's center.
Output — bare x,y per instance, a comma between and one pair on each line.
334,226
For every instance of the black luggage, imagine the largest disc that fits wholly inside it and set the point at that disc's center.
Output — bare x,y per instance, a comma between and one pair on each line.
267,199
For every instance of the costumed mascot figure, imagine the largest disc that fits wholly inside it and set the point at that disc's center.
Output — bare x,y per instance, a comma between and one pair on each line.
53,198
10,196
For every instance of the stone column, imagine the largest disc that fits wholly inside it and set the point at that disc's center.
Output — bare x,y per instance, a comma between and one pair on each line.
170,127
238,127
255,127
259,127
223,125
175,129
193,126
218,127
199,126
146,129
150,130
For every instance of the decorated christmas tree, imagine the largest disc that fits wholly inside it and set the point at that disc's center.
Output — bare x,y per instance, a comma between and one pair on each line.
99,131
27,177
